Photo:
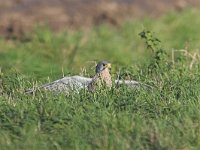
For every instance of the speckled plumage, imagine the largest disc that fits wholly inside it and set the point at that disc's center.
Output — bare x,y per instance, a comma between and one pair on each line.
101,79
64,85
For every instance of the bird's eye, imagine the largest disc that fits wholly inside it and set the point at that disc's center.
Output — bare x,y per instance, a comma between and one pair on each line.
104,64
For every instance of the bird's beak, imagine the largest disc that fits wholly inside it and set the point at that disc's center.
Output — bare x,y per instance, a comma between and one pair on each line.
108,66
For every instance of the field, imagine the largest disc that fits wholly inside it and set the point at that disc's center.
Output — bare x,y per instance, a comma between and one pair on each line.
166,117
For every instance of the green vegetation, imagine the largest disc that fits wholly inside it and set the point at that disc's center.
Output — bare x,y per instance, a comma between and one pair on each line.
168,117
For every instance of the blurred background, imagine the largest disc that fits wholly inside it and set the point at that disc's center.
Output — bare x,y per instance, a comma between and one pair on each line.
41,38
19,16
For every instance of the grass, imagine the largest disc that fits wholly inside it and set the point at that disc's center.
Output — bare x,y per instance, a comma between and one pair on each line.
168,117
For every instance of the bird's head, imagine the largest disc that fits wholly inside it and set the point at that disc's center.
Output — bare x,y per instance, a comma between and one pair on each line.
102,65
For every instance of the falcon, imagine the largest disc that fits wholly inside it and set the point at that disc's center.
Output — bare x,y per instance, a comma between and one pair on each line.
102,78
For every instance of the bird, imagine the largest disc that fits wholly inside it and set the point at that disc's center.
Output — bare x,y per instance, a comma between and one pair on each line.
102,77
75,83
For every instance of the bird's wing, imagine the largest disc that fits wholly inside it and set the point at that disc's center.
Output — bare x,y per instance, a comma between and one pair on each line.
66,84
132,84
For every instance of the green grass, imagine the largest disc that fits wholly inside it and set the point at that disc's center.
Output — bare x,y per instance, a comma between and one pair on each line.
167,117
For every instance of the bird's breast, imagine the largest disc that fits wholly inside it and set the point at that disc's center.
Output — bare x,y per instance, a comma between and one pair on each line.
105,76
